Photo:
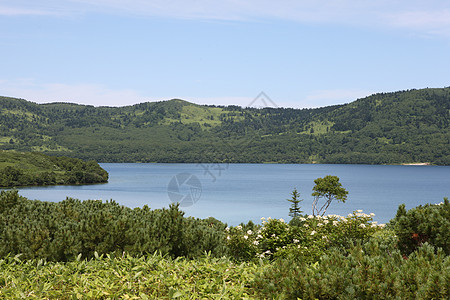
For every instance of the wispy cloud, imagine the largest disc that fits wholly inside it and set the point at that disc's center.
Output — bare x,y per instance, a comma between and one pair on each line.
432,22
18,11
430,17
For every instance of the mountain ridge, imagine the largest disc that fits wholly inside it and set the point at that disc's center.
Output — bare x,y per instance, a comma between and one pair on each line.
385,128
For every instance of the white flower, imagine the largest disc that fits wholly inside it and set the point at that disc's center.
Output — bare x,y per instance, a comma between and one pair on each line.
335,223
324,237
295,241
349,215
382,225
245,237
262,218
373,225
325,217
310,216
344,220
372,215
249,232
282,220
273,235
359,210
302,219
268,252
313,232
326,221
305,225
228,237
239,227
227,229
269,218
258,237
362,225
320,224
255,243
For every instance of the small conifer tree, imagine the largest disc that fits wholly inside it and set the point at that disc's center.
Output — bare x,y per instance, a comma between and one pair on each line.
294,210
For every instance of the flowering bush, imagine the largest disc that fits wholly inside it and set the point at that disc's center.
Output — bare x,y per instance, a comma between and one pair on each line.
242,244
306,239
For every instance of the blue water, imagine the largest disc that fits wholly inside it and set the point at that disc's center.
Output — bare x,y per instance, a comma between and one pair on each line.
241,192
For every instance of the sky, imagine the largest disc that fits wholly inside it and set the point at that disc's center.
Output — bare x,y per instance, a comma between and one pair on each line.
296,53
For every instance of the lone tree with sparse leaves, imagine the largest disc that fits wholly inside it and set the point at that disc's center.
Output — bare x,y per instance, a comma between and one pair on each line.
294,210
328,188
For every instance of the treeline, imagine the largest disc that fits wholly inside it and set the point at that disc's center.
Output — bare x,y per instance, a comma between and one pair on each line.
28,169
387,128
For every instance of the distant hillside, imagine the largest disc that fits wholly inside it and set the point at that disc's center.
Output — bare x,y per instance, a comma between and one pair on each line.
388,128
26,169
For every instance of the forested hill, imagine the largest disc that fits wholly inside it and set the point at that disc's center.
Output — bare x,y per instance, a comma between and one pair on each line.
387,128
28,168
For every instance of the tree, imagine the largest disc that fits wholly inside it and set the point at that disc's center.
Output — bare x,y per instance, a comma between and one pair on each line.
294,210
330,189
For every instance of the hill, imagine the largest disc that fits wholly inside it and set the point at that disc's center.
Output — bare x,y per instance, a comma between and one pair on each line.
387,128
25,169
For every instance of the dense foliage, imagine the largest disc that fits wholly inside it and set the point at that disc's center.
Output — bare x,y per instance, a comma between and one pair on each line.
386,128
361,272
125,277
90,249
24,169
423,224
61,231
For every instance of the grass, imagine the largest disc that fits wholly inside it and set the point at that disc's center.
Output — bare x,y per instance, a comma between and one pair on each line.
32,162
151,277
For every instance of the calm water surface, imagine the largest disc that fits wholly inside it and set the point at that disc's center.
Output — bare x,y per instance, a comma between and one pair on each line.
241,192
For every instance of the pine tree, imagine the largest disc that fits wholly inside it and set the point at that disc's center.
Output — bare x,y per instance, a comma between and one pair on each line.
294,210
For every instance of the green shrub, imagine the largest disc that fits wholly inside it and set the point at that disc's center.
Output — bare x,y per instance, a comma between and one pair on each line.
366,272
61,231
423,224
306,239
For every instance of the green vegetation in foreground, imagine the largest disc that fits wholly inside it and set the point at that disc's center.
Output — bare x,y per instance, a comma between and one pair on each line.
386,128
147,254
32,168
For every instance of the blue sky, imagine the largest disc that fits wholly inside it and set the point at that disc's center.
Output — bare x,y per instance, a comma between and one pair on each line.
308,53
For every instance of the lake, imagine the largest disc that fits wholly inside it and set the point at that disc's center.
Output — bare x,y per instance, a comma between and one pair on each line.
237,193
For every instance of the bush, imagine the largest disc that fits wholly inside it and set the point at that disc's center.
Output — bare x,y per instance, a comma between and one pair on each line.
305,239
362,272
423,224
61,231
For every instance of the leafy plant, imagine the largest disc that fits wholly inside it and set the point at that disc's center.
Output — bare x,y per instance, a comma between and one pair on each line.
423,224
